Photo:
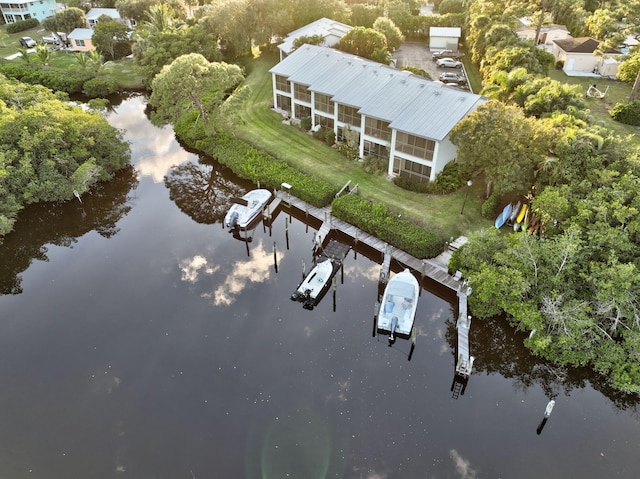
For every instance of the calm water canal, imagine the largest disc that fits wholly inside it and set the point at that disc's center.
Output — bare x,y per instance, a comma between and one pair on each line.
139,339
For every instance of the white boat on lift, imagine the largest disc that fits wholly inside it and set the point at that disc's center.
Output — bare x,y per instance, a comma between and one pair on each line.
399,304
311,290
245,209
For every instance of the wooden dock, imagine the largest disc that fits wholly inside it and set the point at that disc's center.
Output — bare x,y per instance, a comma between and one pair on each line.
427,268
433,268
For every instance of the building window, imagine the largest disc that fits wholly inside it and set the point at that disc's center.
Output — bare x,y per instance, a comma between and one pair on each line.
282,84
323,103
79,43
301,93
349,115
415,145
373,149
284,102
302,111
410,169
323,121
377,128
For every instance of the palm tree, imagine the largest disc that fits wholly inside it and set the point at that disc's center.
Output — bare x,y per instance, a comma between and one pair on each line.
43,53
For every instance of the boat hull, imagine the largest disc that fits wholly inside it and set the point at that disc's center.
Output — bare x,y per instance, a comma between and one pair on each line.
252,203
316,284
399,304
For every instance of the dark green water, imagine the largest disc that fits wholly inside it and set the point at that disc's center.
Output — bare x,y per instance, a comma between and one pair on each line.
139,339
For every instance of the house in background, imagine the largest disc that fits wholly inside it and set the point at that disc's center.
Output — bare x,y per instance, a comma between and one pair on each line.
444,38
25,9
94,14
80,40
331,30
579,58
548,33
398,116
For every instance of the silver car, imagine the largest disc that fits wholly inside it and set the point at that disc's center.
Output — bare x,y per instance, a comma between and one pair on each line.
449,63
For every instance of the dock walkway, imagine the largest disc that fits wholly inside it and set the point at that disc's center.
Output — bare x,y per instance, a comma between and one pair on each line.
434,268
429,268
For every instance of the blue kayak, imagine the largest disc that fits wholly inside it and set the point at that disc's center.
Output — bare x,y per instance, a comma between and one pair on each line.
504,216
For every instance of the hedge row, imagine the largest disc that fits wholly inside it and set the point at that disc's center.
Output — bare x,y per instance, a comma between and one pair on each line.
57,80
255,165
22,25
378,221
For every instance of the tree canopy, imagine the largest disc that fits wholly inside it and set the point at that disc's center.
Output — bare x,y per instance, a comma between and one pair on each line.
192,82
50,150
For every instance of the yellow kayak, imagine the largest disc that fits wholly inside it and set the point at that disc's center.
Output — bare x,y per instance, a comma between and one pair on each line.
523,211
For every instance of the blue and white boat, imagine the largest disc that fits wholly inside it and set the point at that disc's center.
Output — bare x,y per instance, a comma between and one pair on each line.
399,304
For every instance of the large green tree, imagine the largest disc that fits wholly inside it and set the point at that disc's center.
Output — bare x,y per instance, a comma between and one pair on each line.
65,20
364,42
192,82
499,142
51,150
111,38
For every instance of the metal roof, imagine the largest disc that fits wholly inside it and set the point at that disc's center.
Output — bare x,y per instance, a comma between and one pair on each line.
410,103
323,26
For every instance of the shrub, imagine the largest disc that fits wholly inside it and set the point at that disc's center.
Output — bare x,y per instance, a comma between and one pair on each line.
58,80
627,113
448,180
410,184
488,208
22,25
305,123
330,138
99,87
375,165
252,164
378,221
320,134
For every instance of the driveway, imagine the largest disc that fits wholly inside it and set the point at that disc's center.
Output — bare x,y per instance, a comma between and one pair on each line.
417,54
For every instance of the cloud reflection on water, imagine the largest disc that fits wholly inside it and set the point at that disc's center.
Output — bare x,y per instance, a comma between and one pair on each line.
155,152
257,269
463,466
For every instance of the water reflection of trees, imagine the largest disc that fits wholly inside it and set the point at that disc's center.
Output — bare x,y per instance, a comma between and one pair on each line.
201,190
100,210
499,349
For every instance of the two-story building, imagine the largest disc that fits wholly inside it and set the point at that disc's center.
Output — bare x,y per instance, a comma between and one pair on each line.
398,116
17,10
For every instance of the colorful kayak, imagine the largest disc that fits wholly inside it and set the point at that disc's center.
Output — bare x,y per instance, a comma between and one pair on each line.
520,218
504,216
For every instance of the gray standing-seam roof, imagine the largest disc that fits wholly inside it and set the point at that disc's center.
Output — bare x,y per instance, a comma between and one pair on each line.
435,112
409,103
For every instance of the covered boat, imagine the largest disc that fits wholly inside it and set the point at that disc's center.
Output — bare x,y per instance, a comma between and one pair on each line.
399,304
245,209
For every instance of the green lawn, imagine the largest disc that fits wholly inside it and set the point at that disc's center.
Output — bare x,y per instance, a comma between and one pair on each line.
264,129
618,92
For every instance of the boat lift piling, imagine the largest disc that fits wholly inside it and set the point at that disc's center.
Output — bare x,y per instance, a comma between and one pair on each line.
275,257
547,413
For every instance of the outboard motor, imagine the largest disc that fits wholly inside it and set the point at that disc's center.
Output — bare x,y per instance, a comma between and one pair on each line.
394,326
233,220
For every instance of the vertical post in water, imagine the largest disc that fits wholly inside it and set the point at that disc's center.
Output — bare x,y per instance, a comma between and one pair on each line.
286,231
334,294
547,413
275,257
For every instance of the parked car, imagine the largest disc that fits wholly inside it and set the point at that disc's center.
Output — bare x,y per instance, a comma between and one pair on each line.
449,63
437,55
27,42
450,77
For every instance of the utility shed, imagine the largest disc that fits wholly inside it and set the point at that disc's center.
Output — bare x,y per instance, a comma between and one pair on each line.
444,38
